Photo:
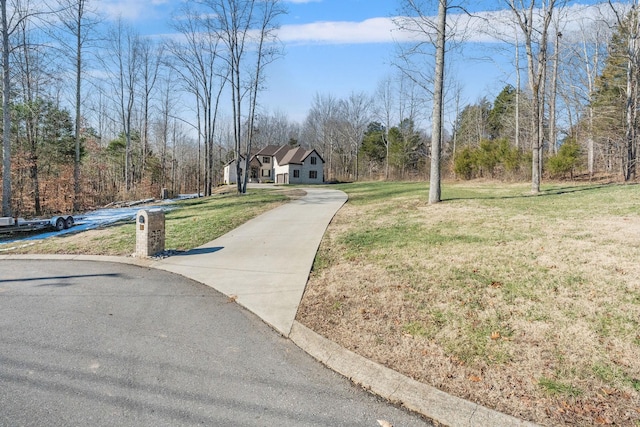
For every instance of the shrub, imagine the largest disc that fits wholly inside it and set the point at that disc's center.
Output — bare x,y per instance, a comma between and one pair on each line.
486,159
566,160
464,163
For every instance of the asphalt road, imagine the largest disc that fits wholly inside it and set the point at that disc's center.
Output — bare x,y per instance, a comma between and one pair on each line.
101,344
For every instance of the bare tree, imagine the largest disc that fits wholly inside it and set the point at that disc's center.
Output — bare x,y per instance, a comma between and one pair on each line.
630,23
533,17
355,112
13,14
197,60
553,92
386,95
321,131
163,127
266,51
6,115
584,62
432,32
275,128
9,26
438,98
247,30
122,63
151,56
518,88
31,77
79,21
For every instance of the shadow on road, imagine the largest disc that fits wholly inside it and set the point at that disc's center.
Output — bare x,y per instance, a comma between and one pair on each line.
34,279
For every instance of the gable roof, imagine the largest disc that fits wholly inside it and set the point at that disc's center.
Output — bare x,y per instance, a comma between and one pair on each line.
311,152
286,155
294,156
269,150
297,156
277,151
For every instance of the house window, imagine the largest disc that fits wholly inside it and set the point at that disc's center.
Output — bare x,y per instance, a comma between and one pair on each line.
296,173
266,160
266,172
313,174
314,160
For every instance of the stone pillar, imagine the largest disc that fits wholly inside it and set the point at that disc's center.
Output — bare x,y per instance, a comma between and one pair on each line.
150,232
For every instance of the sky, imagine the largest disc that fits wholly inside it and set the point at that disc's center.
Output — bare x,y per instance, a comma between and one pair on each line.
342,46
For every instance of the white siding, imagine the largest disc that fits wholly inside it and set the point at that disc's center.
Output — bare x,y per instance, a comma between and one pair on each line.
288,171
308,167
280,171
230,173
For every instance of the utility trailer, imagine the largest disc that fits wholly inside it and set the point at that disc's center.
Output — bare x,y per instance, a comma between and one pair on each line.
9,225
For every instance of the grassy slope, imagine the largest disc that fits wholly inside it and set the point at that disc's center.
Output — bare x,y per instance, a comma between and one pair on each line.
530,305
193,223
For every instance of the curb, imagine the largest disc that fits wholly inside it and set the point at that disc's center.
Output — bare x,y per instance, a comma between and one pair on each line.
432,403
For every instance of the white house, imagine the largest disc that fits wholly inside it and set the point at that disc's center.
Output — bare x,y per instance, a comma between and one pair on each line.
282,165
230,172
299,166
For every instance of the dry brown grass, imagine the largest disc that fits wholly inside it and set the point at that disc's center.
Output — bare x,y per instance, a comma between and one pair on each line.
527,305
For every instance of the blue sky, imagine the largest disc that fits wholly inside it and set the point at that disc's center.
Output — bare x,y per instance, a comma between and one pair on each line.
337,47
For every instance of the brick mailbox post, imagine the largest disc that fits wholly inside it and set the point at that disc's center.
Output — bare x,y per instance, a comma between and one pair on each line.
149,232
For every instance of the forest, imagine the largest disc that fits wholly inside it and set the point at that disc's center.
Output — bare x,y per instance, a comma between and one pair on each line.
94,112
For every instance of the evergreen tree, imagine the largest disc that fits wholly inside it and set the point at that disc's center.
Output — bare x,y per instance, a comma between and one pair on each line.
501,116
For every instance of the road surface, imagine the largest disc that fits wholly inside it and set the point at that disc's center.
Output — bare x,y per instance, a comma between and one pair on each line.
87,343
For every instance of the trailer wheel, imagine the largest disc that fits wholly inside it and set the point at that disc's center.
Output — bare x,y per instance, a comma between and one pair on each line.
68,223
60,222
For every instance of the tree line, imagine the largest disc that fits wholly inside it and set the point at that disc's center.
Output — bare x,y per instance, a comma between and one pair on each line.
97,112
572,109
93,111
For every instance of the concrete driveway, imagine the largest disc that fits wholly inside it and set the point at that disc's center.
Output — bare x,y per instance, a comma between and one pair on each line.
88,343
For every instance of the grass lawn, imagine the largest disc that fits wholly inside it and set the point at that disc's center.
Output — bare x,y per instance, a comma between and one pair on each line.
526,304
192,223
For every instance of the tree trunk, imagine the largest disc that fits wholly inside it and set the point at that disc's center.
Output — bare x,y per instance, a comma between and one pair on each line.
76,162
630,134
438,85
6,115
554,90
536,68
518,84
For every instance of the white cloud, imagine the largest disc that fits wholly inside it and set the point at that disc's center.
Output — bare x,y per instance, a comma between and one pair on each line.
486,27
375,30
123,8
131,10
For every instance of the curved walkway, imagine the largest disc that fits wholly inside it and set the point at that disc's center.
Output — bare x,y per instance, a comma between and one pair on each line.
264,264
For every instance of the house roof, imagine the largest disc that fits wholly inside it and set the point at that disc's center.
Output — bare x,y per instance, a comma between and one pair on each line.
313,151
269,150
286,155
277,151
297,156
